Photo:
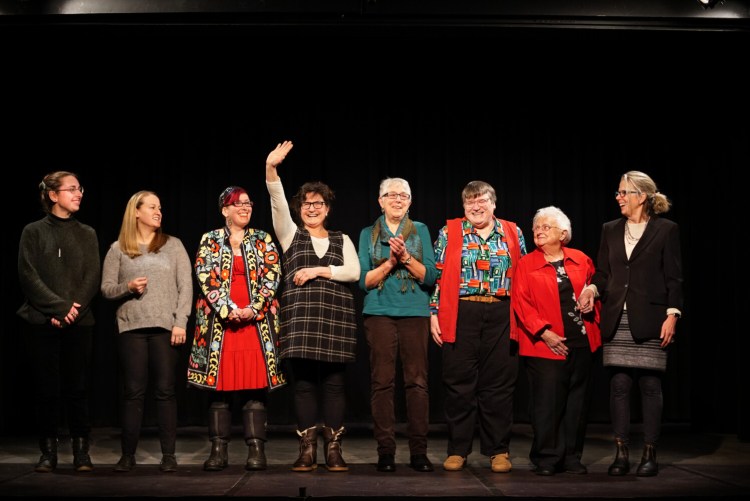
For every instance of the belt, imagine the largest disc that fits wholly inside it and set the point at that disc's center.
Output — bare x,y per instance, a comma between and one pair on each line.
483,299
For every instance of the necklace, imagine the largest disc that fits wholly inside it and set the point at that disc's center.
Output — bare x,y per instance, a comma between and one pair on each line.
629,237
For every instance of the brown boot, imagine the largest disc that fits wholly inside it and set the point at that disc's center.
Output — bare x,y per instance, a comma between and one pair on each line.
332,439
648,467
308,450
621,464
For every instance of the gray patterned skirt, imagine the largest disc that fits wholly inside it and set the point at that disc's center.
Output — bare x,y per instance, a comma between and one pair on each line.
623,351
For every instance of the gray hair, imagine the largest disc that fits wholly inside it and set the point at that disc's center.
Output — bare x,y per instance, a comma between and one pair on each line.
392,181
561,220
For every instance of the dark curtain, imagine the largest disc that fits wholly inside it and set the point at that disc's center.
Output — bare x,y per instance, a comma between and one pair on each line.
188,117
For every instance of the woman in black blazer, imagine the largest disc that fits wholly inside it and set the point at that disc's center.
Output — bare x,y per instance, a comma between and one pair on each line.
639,280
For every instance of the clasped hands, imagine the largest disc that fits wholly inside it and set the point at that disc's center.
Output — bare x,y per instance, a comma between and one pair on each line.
399,254
241,315
585,302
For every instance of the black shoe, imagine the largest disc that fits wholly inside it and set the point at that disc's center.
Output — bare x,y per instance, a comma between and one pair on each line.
168,463
545,471
126,463
386,462
420,463
576,468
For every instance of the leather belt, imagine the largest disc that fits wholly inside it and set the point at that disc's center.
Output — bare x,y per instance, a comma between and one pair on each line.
483,299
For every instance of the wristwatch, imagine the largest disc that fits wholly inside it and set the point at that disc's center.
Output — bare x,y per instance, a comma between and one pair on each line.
676,315
408,260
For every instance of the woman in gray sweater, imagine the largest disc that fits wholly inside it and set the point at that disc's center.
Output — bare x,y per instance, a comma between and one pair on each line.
149,273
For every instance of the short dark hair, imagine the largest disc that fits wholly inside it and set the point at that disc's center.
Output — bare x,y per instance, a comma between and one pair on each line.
318,187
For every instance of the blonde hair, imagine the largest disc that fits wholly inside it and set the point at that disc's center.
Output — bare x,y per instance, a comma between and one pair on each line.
656,203
128,238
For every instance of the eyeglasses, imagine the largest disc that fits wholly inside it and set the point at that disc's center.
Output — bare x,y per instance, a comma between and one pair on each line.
392,195
72,190
544,227
241,204
318,204
477,201
625,193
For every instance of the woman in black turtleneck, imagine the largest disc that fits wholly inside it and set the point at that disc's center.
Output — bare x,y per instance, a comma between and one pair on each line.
59,273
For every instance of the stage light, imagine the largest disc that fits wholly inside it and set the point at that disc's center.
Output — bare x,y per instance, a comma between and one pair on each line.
708,4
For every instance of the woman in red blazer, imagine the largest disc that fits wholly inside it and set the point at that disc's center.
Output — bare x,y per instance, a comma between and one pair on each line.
556,342
639,280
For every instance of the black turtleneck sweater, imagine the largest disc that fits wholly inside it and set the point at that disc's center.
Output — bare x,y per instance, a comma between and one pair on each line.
58,264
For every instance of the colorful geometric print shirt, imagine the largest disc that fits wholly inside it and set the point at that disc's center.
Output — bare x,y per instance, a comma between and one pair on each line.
484,263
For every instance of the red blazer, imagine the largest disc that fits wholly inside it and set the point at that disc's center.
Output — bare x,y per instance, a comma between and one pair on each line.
536,300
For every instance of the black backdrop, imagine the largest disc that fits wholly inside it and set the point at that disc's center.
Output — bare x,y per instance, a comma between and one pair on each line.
546,117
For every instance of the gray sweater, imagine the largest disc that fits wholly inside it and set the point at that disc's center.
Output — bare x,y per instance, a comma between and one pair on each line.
168,297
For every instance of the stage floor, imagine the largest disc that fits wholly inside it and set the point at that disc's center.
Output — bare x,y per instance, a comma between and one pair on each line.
691,465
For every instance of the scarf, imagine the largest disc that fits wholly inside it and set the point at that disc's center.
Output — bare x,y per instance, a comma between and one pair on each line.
380,236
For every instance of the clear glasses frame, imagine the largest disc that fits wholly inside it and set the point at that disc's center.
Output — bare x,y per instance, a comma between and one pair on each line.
392,195
481,202
625,193
544,227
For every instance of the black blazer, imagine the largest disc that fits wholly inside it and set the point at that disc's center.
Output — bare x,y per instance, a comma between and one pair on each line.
650,281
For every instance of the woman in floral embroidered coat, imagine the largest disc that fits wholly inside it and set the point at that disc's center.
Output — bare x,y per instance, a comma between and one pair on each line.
236,329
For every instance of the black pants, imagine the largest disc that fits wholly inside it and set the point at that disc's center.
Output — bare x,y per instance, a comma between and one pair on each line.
479,375
61,361
311,376
147,354
559,407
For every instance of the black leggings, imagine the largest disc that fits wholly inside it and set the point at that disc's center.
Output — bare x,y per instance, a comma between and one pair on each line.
309,375
652,402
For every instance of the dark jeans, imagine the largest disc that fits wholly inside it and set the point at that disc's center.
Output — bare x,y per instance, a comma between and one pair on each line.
311,375
144,352
652,402
560,392
390,338
479,375
61,364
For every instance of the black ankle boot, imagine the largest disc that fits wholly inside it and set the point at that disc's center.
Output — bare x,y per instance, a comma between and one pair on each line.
48,459
81,458
621,465
648,467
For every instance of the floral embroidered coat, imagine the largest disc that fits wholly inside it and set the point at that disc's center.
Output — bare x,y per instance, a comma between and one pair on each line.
213,268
